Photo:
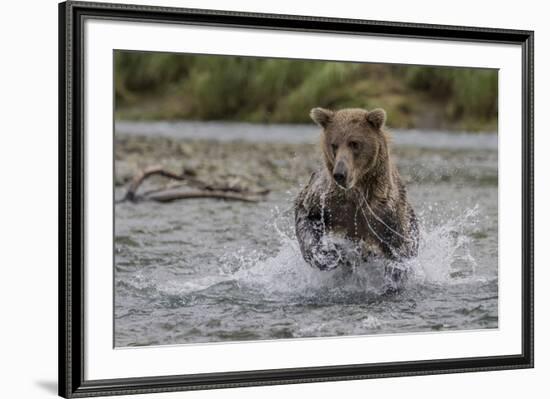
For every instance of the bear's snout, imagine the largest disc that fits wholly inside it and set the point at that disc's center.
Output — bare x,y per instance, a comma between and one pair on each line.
340,174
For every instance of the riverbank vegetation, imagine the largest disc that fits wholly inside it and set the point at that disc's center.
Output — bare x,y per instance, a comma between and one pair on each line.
167,86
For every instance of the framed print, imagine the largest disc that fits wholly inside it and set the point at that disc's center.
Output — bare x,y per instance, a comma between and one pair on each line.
252,199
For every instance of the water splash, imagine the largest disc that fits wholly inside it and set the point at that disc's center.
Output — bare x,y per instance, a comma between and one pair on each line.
443,252
443,255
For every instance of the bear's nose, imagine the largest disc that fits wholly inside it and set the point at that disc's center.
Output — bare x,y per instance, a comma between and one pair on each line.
339,174
340,178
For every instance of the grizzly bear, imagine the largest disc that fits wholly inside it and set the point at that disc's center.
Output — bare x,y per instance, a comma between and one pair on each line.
358,195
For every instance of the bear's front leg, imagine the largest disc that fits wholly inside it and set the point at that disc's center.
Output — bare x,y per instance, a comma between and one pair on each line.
309,231
316,249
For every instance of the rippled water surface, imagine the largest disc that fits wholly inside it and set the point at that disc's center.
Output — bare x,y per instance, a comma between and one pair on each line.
207,270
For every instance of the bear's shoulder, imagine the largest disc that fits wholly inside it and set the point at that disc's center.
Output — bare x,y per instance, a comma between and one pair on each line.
310,196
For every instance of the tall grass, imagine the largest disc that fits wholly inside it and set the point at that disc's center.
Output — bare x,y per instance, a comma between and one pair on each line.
139,74
200,87
469,93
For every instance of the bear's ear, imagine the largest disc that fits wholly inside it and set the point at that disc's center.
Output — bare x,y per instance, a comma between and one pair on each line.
321,116
377,118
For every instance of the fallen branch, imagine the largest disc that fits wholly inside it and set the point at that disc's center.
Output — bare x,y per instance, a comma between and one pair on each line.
168,195
131,194
173,195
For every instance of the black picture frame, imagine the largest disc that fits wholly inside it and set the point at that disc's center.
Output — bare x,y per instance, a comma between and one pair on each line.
71,200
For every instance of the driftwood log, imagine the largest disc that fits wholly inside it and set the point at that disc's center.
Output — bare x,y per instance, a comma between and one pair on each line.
201,189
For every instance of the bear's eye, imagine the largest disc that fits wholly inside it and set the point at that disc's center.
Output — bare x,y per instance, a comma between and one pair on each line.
354,145
334,148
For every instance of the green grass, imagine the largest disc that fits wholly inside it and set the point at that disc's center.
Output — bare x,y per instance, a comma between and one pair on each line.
469,94
200,87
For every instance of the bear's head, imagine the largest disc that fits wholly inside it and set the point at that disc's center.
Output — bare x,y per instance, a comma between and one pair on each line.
353,142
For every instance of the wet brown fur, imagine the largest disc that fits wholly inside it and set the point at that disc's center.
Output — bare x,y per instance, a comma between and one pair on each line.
356,141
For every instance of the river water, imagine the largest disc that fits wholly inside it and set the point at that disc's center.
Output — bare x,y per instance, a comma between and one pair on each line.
206,270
